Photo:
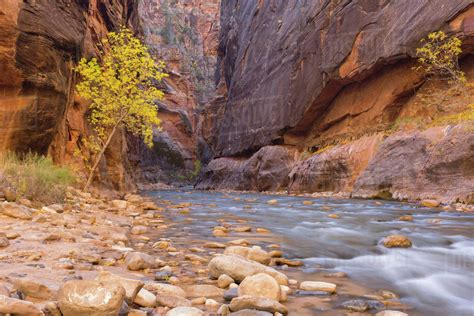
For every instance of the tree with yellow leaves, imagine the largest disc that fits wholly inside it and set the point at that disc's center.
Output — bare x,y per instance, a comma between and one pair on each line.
122,91
439,57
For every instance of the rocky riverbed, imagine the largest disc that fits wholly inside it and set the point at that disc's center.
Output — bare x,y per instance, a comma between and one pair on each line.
157,255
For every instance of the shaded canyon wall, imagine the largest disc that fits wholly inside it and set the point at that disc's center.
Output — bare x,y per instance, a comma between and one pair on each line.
330,79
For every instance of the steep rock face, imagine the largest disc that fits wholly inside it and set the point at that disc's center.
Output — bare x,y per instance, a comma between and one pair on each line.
41,42
266,170
295,69
336,169
184,34
437,163
330,78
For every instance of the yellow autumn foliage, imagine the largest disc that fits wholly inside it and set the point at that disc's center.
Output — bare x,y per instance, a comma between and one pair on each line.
121,88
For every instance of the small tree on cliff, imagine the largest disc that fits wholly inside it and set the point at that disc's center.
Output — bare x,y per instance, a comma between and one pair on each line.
122,92
438,58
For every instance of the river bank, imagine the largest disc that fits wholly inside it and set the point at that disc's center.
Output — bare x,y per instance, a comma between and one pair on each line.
168,242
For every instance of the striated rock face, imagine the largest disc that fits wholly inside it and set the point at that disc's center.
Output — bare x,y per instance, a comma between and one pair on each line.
266,170
184,34
437,163
41,42
330,78
335,169
302,66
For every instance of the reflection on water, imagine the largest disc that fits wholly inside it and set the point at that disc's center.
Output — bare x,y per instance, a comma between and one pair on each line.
436,275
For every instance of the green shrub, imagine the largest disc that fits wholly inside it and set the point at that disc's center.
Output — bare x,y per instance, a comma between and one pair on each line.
35,177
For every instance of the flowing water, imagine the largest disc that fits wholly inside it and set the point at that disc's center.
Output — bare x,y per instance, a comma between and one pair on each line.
435,276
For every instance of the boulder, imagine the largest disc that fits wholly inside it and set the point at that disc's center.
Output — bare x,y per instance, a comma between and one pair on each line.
36,288
224,281
258,303
165,289
132,287
429,203
397,241
14,306
136,261
79,297
16,211
260,285
145,298
254,253
238,268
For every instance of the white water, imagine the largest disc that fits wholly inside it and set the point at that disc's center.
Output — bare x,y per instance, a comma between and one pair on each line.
436,275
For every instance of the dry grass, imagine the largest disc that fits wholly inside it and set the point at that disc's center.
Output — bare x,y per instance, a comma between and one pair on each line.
35,177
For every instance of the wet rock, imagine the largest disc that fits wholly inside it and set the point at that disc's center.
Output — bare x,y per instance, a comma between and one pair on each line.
239,268
239,242
258,303
12,235
276,254
429,203
185,311
390,313
14,306
254,253
36,288
165,289
145,298
260,285
15,211
132,287
224,281
205,290
78,297
242,229
136,261
261,230
231,293
397,241
4,242
272,202
406,218
318,286
288,262
356,305
172,301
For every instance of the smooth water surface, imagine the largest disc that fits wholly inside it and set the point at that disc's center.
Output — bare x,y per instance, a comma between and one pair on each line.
436,275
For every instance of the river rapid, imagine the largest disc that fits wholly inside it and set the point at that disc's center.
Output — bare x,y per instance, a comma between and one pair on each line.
434,277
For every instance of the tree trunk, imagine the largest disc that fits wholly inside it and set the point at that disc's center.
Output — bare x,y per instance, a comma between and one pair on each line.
99,157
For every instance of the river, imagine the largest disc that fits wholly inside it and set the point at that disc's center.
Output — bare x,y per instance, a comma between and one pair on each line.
435,276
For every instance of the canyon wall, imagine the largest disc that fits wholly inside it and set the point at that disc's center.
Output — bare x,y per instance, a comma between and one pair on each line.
332,79
41,42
